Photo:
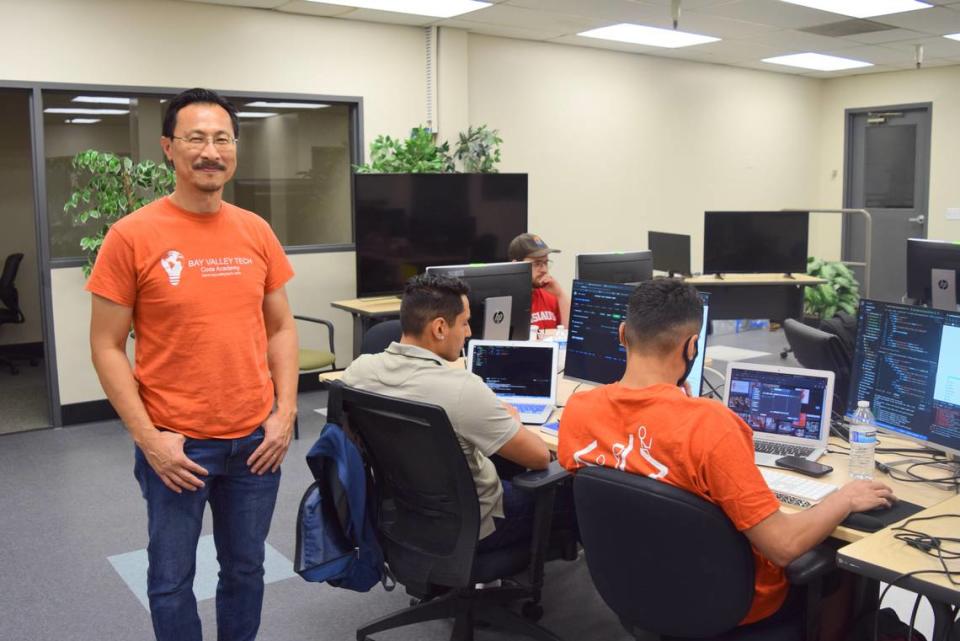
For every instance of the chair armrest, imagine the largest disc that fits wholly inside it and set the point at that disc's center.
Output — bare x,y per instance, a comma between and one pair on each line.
323,322
535,480
812,565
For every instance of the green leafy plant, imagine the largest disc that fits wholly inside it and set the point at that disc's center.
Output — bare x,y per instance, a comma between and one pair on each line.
479,150
841,292
418,154
107,187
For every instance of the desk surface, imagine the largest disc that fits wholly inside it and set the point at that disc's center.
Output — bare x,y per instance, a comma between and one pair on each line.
753,279
924,494
376,306
881,556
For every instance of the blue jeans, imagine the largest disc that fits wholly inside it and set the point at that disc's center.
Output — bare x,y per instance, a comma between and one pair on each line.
242,505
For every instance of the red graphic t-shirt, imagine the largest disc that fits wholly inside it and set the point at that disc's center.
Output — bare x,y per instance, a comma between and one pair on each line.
544,309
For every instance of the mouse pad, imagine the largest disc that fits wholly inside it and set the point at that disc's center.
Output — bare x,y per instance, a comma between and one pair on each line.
879,519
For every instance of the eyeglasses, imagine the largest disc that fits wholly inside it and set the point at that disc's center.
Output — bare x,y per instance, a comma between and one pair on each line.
222,142
541,263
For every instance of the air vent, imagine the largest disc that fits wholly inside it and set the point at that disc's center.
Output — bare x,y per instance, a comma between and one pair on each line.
847,28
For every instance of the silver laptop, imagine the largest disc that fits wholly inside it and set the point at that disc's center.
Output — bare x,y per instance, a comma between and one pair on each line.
521,373
788,409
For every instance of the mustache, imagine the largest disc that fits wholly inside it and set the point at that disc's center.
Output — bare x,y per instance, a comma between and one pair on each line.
210,165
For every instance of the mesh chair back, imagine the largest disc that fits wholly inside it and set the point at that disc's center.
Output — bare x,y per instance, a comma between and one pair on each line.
428,515
379,337
817,349
662,559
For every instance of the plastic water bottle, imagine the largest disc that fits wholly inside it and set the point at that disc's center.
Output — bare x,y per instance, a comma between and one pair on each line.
560,337
863,442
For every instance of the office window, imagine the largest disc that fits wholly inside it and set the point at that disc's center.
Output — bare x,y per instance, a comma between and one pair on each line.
891,154
293,164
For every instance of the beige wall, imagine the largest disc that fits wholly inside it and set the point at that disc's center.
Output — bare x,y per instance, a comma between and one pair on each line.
17,220
619,144
940,86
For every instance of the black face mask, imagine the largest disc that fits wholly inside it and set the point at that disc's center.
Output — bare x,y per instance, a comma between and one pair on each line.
688,362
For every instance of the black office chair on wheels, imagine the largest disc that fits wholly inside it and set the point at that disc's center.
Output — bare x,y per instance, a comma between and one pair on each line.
670,563
817,349
10,312
378,338
428,518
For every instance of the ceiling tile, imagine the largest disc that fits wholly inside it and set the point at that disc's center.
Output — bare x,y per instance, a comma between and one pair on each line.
770,12
315,8
932,47
607,11
256,4
727,52
936,20
876,55
708,25
391,17
517,17
890,35
796,40
505,31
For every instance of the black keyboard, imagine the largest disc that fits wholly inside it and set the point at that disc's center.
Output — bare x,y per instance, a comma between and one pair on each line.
782,449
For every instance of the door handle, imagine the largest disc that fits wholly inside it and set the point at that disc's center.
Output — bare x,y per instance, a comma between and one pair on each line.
918,219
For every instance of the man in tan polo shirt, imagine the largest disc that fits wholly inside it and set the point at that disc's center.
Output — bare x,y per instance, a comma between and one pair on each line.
434,319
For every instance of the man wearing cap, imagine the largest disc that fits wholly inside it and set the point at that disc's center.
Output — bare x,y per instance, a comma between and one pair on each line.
549,303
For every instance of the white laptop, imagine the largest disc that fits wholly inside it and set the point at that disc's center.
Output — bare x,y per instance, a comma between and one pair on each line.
521,373
788,408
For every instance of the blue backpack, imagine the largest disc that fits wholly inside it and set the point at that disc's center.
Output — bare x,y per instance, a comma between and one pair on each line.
336,540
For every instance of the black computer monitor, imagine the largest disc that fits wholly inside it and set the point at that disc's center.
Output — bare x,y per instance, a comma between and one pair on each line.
491,281
923,256
751,242
671,252
615,267
907,364
594,353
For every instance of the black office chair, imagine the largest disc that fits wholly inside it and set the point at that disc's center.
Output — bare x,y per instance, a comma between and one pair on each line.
10,312
378,338
817,349
428,519
311,360
670,563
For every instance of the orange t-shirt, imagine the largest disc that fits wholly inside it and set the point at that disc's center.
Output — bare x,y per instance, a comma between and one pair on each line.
196,283
695,444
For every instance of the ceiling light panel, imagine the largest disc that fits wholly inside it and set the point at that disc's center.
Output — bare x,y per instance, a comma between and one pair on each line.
85,112
862,8
817,61
103,100
433,8
256,114
263,104
649,36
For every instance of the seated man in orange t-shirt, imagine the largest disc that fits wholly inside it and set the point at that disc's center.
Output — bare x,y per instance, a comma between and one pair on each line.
647,424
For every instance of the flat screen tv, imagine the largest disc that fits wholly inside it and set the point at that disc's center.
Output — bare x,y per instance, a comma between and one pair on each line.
405,222
750,242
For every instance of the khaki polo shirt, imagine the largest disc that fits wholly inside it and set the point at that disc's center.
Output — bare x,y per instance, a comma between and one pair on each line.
481,422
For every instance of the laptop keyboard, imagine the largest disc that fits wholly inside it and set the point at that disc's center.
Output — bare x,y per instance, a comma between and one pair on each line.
529,408
782,449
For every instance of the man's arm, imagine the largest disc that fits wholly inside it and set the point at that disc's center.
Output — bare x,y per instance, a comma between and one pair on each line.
525,448
283,361
783,537
563,300
109,327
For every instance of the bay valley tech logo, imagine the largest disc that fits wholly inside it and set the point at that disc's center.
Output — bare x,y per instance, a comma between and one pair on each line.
172,263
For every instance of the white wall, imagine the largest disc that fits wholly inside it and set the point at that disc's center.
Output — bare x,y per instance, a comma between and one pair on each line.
617,144
938,85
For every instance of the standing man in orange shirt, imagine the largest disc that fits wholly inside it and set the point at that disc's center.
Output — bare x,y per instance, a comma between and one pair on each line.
211,401
647,424
549,303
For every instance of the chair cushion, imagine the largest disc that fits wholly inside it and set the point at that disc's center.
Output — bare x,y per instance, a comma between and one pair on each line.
497,564
311,359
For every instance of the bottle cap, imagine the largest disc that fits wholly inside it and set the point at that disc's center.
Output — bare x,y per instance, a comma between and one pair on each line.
863,404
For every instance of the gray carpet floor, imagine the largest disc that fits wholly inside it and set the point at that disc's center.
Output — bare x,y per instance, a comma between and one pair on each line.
23,398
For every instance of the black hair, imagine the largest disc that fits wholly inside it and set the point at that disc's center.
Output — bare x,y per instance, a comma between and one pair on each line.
192,96
427,297
661,313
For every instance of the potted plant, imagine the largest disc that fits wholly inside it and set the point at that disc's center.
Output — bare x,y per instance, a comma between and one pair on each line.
107,187
478,151
841,292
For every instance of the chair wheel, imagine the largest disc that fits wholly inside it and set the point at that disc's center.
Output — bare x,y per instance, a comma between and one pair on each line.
531,611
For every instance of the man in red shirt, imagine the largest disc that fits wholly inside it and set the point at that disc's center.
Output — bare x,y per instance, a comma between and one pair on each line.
647,424
549,303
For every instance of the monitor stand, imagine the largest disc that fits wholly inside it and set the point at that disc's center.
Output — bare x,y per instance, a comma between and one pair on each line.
496,317
718,276
789,275
943,288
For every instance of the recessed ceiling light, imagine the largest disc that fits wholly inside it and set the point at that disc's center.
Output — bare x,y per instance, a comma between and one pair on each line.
953,36
817,61
651,36
81,121
433,8
106,100
263,104
85,112
863,8
256,114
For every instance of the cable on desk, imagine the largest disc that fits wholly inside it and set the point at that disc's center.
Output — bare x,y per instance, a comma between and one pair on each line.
932,545
913,617
909,476
902,577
